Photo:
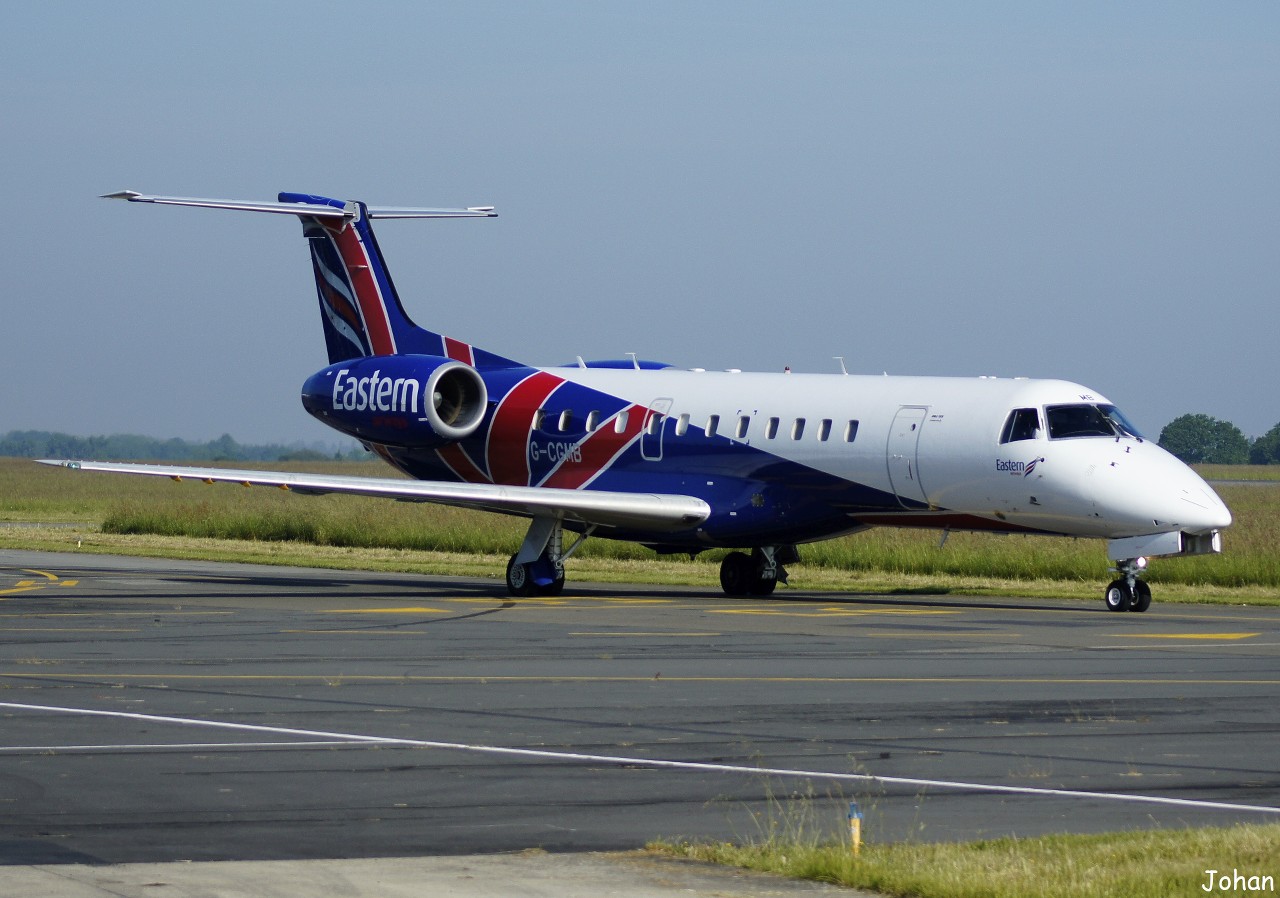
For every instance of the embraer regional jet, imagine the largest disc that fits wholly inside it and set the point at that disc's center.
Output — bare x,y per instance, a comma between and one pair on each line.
687,460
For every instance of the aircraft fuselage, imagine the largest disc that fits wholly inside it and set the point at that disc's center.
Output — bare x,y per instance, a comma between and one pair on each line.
789,458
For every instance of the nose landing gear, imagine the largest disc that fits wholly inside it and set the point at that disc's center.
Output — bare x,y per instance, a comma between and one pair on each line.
1129,593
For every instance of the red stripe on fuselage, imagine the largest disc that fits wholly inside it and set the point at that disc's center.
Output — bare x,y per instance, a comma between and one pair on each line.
508,449
373,309
941,520
597,450
461,464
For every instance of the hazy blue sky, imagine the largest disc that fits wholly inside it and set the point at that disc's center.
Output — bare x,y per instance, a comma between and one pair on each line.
1080,190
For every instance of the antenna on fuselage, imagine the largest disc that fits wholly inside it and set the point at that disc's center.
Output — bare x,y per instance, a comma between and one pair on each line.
843,369
635,360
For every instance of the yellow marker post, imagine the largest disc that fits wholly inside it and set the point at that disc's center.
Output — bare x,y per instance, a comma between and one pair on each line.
855,828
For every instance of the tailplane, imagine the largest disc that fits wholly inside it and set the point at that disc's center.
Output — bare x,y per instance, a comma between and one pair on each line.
359,309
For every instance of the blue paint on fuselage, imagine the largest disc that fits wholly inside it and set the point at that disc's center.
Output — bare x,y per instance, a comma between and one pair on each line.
755,496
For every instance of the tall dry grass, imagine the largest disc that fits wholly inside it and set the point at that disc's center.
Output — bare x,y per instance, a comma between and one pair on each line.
136,505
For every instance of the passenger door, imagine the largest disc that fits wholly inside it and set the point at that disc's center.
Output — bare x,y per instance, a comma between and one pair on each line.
902,455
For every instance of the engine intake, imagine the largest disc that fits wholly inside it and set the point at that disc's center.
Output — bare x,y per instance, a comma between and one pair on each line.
458,399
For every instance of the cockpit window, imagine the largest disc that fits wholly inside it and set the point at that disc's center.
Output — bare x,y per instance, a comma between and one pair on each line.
1073,421
1120,422
1023,424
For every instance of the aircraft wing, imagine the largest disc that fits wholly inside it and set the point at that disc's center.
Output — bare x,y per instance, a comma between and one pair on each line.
649,511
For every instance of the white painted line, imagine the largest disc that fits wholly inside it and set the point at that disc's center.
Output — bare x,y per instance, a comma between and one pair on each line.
577,758
173,746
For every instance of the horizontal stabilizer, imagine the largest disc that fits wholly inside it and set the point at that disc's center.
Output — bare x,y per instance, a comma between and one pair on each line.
650,511
316,210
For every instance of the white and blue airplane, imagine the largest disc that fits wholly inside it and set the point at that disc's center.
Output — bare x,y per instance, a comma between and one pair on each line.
688,460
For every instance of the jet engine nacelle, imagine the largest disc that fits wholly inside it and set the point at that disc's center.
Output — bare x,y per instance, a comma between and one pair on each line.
399,400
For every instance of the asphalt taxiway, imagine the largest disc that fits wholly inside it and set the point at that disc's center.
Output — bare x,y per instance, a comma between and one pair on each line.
158,710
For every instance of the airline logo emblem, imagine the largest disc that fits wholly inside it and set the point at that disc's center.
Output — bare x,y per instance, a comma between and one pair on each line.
1017,468
375,393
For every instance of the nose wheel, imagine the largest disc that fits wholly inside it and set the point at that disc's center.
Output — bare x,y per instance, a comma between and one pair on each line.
1129,593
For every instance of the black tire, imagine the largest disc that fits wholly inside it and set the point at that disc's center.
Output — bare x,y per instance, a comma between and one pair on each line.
1118,597
737,574
519,583
1142,601
554,588
763,587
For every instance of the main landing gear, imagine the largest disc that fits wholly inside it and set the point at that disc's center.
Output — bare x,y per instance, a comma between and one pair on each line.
534,578
538,568
757,574
1128,593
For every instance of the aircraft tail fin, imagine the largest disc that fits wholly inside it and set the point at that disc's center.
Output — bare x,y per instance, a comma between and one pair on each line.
360,310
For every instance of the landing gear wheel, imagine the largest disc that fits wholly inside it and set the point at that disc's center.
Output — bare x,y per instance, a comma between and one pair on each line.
519,583
763,587
738,574
1119,597
1142,597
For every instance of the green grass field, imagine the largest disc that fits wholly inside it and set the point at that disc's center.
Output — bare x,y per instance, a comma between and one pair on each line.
1154,864
120,513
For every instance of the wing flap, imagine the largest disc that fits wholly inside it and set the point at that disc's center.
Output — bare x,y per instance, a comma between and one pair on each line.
650,511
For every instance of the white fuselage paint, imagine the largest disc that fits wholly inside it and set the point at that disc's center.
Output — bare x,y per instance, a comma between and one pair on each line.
1105,487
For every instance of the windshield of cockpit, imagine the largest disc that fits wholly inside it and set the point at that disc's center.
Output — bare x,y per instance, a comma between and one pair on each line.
1088,420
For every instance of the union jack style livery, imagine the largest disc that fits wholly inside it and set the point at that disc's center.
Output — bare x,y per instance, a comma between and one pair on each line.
690,460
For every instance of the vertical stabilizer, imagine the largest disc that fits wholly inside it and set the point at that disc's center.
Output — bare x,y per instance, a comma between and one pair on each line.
359,309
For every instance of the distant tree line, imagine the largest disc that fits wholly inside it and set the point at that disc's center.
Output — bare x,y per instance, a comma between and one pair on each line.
1196,439
132,447
1201,439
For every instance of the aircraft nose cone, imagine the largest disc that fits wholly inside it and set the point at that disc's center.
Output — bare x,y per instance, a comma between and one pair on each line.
1208,512
1178,498
1144,489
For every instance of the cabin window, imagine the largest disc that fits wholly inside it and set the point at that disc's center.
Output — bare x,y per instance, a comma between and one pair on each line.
850,431
682,425
539,419
744,421
620,422
593,420
797,429
713,424
566,419
1023,424
771,429
824,429
655,423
